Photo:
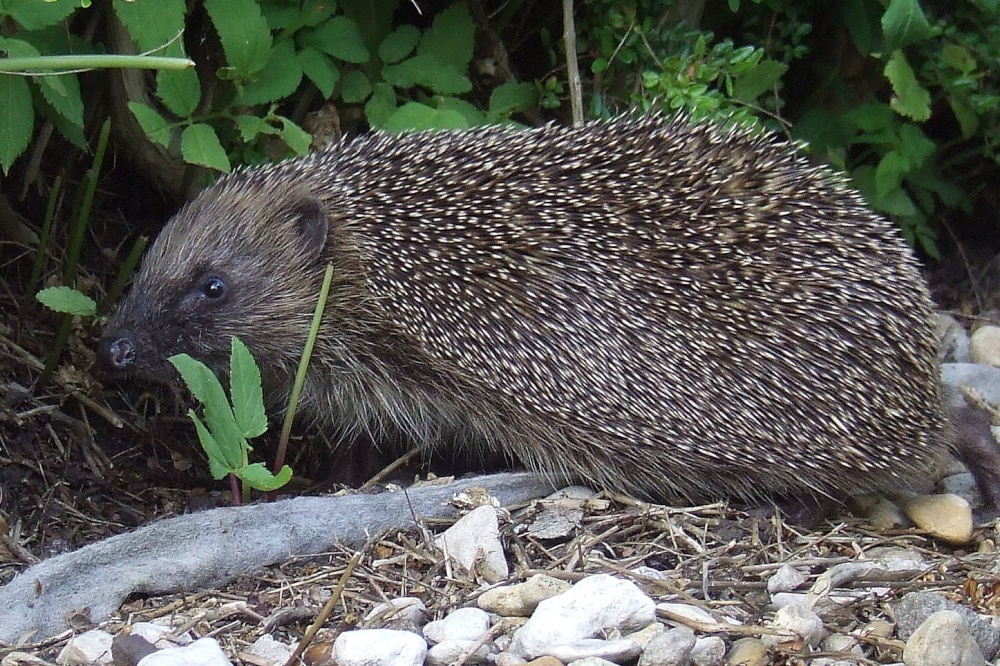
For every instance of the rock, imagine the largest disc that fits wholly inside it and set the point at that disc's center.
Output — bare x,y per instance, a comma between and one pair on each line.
687,613
796,623
267,649
898,559
708,651
785,579
983,378
616,651
401,613
202,652
511,659
942,640
914,609
671,648
91,647
947,517
544,661
589,661
964,485
379,647
984,346
520,600
449,651
464,624
646,634
474,542
556,519
747,652
595,604
953,340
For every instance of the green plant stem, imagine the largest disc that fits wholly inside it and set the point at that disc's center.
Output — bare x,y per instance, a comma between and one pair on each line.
300,375
75,62
83,219
43,239
128,267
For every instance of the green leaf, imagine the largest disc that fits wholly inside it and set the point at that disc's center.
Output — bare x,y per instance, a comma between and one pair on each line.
246,391
320,69
68,301
258,477
217,463
356,87
155,26
889,174
373,18
180,91
958,57
399,44
915,146
219,417
153,124
295,137
277,80
413,116
451,38
250,127
967,117
34,15
17,118
510,98
903,23
380,105
861,18
428,71
470,112
910,99
340,38
759,80
245,37
200,145
62,92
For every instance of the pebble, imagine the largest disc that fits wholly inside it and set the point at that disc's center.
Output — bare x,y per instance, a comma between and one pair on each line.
402,613
964,485
595,604
953,340
17,658
267,650
785,579
671,648
946,517
796,623
646,634
91,647
687,612
590,661
379,647
747,652
984,345
449,651
708,651
544,661
474,542
520,600
616,651
202,652
511,659
915,607
556,519
464,624
942,640
898,559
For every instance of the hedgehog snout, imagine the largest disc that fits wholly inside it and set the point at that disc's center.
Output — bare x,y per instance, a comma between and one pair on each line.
116,352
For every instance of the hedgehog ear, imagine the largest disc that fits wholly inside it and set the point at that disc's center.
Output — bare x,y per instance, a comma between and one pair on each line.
312,225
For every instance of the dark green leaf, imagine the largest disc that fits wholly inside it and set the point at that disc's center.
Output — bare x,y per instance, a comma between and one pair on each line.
380,105
321,71
903,23
218,466
180,91
245,389
155,26
356,87
510,98
295,137
219,417
153,124
200,145
340,38
759,80
245,36
451,38
399,44
33,15
413,116
17,118
277,80
889,174
427,71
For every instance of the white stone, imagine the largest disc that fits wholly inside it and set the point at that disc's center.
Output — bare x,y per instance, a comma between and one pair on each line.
520,600
687,612
942,640
708,651
785,579
984,345
407,613
671,648
464,624
379,647
474,542
92,647
594,605
797,622
268,649
448,652
510,659
202,652
160,635
616,651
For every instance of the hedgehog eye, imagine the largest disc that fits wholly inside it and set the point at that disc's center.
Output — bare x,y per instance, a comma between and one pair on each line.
214,288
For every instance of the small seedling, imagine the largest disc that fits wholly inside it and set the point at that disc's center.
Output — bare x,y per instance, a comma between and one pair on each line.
68,301
229,424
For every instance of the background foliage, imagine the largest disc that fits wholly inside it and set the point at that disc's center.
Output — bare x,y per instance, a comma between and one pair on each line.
901,94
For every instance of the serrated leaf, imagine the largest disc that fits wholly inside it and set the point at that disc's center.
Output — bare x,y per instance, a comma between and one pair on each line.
17,118
200,145
219,417
180,91
34,15
915,146
68,301
218,466
968,119
958,57
373,18
355,88
398,44
414,116
294,136
910,99
152,123
451,38
246,391
889,174
428,71
317,66
510,98
903,23
62,92
472,115
250,127
277,80
258,477
245,37
340,38
861,19
759,80
154,26
380,105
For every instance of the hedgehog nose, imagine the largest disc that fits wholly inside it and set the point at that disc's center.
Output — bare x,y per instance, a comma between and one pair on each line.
115,353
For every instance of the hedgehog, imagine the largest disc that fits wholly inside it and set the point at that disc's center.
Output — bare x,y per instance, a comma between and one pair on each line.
659,306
